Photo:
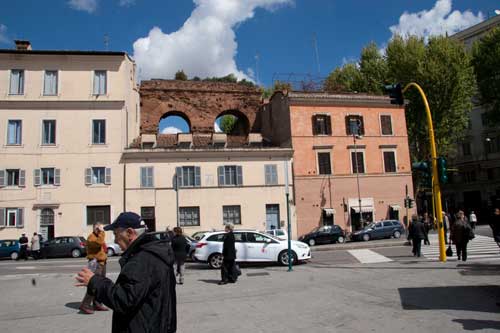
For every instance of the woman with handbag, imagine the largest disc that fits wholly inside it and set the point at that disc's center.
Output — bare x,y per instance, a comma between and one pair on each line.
461,234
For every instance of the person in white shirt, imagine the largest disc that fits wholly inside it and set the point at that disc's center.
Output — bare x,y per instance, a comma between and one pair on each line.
472,220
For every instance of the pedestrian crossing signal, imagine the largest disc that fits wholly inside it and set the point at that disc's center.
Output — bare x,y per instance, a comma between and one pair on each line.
395,93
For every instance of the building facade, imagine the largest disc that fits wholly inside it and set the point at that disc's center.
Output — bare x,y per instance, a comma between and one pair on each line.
476,185
202,178
65,119
350,154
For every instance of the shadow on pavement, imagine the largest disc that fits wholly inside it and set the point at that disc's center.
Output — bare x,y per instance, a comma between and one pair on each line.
73,305
479,269
212,281
473,324
464,298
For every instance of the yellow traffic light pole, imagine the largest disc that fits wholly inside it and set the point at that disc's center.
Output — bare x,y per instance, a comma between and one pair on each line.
436,190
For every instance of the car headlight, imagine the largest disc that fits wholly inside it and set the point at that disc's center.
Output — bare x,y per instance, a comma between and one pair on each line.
301,246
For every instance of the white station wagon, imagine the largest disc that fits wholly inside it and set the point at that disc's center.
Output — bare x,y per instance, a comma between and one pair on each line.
251,246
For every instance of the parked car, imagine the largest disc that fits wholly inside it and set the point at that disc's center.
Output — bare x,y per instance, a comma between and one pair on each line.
381,229
66,246
113,249
281,234
323,235
251,246
9,248
162,235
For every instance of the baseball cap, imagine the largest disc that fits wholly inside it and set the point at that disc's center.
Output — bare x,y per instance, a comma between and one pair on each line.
126,220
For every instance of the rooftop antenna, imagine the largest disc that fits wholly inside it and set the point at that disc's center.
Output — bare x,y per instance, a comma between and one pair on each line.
106,42
257,56
315,45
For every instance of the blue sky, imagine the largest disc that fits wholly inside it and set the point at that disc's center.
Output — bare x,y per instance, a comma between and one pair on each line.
216,37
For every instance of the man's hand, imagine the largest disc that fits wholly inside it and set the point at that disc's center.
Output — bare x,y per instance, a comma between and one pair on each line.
84,277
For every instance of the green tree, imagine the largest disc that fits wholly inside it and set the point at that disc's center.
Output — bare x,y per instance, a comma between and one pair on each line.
227,123
373,69
347,78
278,86
486,61
443,69
180,75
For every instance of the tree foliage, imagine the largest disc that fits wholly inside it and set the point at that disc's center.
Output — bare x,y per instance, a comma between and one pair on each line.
373,69
345,79
486,60
278,86
180,75
227,123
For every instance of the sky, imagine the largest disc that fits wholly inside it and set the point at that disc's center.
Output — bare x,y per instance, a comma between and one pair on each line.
258,40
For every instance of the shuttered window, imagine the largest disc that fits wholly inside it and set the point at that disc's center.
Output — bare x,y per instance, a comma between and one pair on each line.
271,174
100,82
358,164
386,124
230,175
147,177
188,176
16,82
354,125
322,125
324,164
12,217
389,161
50,83
47,176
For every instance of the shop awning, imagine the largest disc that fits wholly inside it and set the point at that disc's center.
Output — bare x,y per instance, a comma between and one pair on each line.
364,209
395,207
329,211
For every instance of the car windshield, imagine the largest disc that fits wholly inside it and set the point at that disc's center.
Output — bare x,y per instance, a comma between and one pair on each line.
370,226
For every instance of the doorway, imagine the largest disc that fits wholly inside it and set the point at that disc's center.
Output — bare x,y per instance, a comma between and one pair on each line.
148,215
47,224
272,217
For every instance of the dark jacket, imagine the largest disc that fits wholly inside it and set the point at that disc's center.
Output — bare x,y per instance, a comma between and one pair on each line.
143,298
228,247
417,231
181,247
495,227
461,232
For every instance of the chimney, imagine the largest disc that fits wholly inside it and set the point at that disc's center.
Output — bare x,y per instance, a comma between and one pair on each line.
23,44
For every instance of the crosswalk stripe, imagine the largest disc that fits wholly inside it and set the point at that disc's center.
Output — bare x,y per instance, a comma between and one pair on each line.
366,256
480,248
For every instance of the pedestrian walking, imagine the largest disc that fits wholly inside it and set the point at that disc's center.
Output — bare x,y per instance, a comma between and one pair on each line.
446,227
416,235
181,248
143,297
427,226
97,257
35,246
495,225
461,234
472,220
23,247
228,269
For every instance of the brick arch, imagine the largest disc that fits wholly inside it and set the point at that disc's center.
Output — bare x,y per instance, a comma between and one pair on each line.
243,123
174,113
200,102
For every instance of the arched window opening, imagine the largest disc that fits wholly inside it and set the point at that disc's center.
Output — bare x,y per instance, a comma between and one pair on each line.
232,122
173,123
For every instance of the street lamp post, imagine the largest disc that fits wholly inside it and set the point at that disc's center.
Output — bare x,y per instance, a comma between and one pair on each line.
355,133
287,196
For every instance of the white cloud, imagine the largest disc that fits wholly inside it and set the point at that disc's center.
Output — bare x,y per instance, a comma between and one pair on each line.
437,21
126,3
171,130
88,6
217,128
204,46
3,34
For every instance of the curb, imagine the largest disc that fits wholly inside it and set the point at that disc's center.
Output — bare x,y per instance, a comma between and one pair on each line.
358,245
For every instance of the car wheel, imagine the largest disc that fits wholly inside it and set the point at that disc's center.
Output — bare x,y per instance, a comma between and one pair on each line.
14,255
311,242
366,237
396,234
76,253
283,258
110,252
341,240
215,261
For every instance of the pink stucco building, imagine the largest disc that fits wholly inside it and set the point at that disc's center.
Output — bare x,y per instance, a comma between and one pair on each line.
322,129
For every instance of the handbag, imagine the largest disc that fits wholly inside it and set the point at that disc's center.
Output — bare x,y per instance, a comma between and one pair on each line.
449,251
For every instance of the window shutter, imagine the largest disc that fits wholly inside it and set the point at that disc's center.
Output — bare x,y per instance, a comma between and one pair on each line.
143,177
328,121
2,178
57,177
22,178
220,171
197,176
20,218
88,176
150,177
107,176
178,173
2,217
267,171
347,126
96,83
314,127
37,176
274,174
239,175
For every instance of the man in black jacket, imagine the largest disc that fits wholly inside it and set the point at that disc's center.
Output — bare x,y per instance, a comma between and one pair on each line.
416,234
143,298
228,269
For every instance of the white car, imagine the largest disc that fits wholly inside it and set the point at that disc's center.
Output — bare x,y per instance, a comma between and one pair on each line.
251,246
113,249
281,234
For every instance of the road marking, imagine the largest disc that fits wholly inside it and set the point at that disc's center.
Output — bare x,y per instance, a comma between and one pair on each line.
481,248
25,267
366,256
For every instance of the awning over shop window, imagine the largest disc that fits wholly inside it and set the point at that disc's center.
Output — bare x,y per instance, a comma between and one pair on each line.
365,209
395,207
366,205
329,211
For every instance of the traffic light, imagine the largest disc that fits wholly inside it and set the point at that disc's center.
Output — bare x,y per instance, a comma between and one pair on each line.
410,203
395,93
425,169
442,171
